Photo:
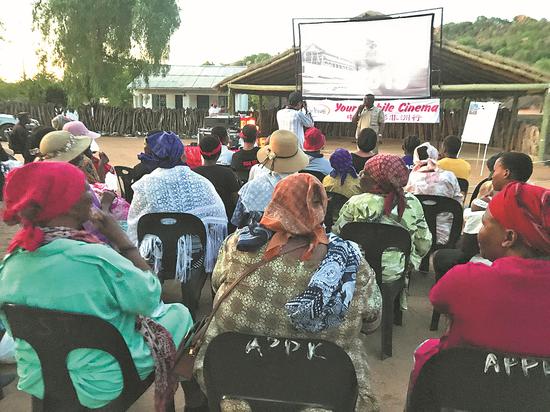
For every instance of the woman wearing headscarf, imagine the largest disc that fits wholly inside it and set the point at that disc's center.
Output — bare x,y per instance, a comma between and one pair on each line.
502,307
174,187
384,201
52,263
427,178
350,302
343,179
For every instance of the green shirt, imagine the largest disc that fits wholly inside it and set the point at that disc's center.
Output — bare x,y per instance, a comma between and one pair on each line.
369,207
92,279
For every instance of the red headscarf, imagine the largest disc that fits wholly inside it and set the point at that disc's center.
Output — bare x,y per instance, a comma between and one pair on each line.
525,209
298,207
53,187
391,175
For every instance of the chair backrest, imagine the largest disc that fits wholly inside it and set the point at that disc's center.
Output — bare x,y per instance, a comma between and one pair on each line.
464,185
125,179
473,379
375,238
335,203
433,206
476,190
169,227
274,373
53,335
318,175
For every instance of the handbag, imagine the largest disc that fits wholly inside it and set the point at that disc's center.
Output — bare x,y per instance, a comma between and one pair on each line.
191,343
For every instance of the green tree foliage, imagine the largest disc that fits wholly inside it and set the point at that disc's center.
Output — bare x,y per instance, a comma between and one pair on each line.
524,39
252,59
102,45
42,88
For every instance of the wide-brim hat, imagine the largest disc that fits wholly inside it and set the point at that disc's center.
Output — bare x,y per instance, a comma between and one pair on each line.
282,154
61,146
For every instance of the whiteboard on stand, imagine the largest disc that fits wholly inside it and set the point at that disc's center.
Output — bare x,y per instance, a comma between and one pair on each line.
480,122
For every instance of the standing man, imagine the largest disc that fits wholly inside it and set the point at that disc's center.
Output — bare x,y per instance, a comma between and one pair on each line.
292,117
369,116
214,109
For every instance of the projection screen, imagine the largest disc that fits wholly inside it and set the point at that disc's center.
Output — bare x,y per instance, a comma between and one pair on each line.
389,58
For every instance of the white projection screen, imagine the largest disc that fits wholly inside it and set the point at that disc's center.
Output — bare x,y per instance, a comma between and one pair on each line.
389,58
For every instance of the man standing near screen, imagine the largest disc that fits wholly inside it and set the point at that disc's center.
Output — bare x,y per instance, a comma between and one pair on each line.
369,116
295,117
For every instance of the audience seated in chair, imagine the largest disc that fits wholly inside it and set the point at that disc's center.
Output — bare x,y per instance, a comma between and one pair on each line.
314,142
147,163
173,187
343,178
54,264
275,300
226,155
280,158
366,148
384,201
427,178
450,161
503,307
243,160
409,144
223,178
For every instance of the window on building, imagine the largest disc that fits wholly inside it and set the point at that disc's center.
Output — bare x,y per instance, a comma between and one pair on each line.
159,101
203,102
179,101
222,101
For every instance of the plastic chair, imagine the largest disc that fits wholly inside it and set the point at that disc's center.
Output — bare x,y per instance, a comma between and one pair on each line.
282,378
125,179
433,206
335,203
53,335
472,379
476,190
169,227
318,175
375,238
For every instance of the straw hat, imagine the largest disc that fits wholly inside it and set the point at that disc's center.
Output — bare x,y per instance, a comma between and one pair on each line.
60,146
282,154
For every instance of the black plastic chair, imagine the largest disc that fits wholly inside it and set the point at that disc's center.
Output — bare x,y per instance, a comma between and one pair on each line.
433,206
375,238
471,379
477,189
318,175
464,186
169,227
277,381
53,335
125,180
335,203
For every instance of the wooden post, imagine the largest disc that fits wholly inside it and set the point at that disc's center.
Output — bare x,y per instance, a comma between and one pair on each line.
511,125
231,101
544,143
260,102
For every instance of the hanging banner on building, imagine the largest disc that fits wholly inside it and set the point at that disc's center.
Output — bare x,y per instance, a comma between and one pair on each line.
395,111
480,122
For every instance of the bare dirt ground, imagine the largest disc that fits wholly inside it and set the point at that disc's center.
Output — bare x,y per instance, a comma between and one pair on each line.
389,377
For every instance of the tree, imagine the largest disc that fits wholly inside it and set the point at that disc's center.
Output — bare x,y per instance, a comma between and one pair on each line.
252,59
103,45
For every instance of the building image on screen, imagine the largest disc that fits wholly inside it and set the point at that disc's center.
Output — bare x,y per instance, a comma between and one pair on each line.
389,58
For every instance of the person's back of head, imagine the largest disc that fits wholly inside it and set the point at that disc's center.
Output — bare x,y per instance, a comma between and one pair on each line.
410,143
294,98
367,139
220,133
512,166
210,147
451,146
249,133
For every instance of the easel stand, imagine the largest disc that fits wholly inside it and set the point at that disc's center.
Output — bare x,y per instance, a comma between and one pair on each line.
477,157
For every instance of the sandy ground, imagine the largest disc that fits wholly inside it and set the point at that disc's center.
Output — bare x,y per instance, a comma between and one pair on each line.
389,377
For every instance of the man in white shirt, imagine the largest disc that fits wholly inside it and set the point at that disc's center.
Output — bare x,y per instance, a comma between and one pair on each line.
293,118
214,109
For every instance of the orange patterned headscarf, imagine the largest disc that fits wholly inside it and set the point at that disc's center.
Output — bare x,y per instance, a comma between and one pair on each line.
297,208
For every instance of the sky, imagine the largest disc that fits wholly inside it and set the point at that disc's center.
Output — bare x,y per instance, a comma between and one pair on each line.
223,31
